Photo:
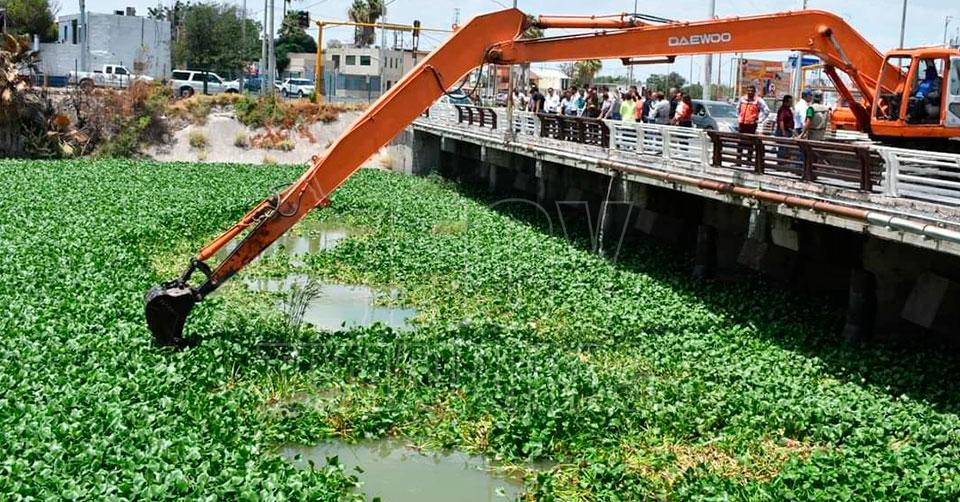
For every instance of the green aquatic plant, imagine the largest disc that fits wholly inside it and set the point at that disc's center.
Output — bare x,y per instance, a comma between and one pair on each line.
637,381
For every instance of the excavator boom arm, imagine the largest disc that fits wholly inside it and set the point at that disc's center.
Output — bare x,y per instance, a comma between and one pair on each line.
816,32
491,38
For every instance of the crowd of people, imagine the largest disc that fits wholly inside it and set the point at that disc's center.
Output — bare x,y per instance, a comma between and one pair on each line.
807,118
630,105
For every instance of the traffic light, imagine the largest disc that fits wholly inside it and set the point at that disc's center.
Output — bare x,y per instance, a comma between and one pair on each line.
416,28
303,19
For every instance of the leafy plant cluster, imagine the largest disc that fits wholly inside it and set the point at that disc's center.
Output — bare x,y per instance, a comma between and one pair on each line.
635,381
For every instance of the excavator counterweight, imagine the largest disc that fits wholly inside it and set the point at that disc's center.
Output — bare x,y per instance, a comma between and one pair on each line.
890,107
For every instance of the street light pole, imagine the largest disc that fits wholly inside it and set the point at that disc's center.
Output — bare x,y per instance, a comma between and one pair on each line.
510,84
243,43
271,54
903,23
797,72
630,80
263,51
946,26
708,59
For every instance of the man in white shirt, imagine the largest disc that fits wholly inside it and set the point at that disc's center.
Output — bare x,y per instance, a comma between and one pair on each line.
552,103
800,110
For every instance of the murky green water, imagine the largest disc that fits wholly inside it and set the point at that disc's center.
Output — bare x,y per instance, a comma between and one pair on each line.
396,472
296,246
338,306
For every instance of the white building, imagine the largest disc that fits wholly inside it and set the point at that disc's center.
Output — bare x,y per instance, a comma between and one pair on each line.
547,78
139,43
355,71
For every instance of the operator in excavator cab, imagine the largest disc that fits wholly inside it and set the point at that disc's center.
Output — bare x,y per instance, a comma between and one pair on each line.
927,95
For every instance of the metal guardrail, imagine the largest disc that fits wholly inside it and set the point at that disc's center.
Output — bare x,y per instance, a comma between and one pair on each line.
893,172
586,131
480,115
845,165
929,176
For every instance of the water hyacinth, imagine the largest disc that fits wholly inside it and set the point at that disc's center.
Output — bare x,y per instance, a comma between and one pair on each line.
635,380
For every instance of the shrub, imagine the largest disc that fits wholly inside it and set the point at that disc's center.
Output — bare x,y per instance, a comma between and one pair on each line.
268,161
241,140
199,111
198,139
123,120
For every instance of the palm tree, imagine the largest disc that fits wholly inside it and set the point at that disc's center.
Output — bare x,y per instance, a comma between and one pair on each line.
365,11
586,70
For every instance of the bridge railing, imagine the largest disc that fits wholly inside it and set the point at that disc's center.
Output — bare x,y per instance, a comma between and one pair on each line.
670,142
928,176
481,116
893,172
849,166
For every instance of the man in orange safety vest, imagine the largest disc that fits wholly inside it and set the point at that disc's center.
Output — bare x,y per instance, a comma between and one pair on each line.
751,111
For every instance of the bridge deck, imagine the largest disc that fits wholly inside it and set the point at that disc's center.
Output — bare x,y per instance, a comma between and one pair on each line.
904,195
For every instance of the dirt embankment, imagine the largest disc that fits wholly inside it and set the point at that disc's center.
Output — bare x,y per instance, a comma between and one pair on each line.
223,138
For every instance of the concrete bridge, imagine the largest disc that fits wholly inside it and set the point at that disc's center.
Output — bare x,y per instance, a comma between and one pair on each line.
875,226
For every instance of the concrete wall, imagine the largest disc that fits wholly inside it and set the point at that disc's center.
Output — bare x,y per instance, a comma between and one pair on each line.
892,291
139,43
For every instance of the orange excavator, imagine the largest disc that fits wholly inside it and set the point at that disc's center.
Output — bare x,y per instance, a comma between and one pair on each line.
907,96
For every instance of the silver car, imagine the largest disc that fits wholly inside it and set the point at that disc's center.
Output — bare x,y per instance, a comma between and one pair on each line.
714,115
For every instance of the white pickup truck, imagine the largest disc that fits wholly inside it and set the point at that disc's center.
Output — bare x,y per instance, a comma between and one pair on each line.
111,75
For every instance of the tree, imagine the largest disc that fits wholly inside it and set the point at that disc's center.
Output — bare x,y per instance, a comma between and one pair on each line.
209,35
611,79
663,83
293,38
365,11
695,91
586,69
31,17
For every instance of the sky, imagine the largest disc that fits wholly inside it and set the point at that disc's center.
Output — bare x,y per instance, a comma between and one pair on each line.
877,20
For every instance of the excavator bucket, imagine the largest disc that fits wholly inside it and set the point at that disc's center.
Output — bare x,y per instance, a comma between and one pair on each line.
167,308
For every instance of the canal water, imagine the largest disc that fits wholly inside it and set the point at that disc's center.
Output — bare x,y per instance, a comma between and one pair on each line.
337,306
396,472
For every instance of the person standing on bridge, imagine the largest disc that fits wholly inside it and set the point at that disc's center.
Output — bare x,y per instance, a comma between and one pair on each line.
660,111
785,124
751,111
552,103
628,108
684,115
815,120
800,113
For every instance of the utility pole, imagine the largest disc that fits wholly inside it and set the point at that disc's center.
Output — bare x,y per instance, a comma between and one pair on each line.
510,84
797,70
82,27
243,42
383,44
263,52
946,26
271,54
708,60
630,69
903,23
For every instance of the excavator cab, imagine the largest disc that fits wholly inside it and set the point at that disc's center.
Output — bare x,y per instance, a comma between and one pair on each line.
953,93
918,91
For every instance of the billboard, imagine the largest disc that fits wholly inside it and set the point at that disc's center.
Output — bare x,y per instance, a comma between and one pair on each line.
771,78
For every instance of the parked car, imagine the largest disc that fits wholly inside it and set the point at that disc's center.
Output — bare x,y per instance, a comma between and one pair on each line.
456,98
714,115
110,75
299,87
186,83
